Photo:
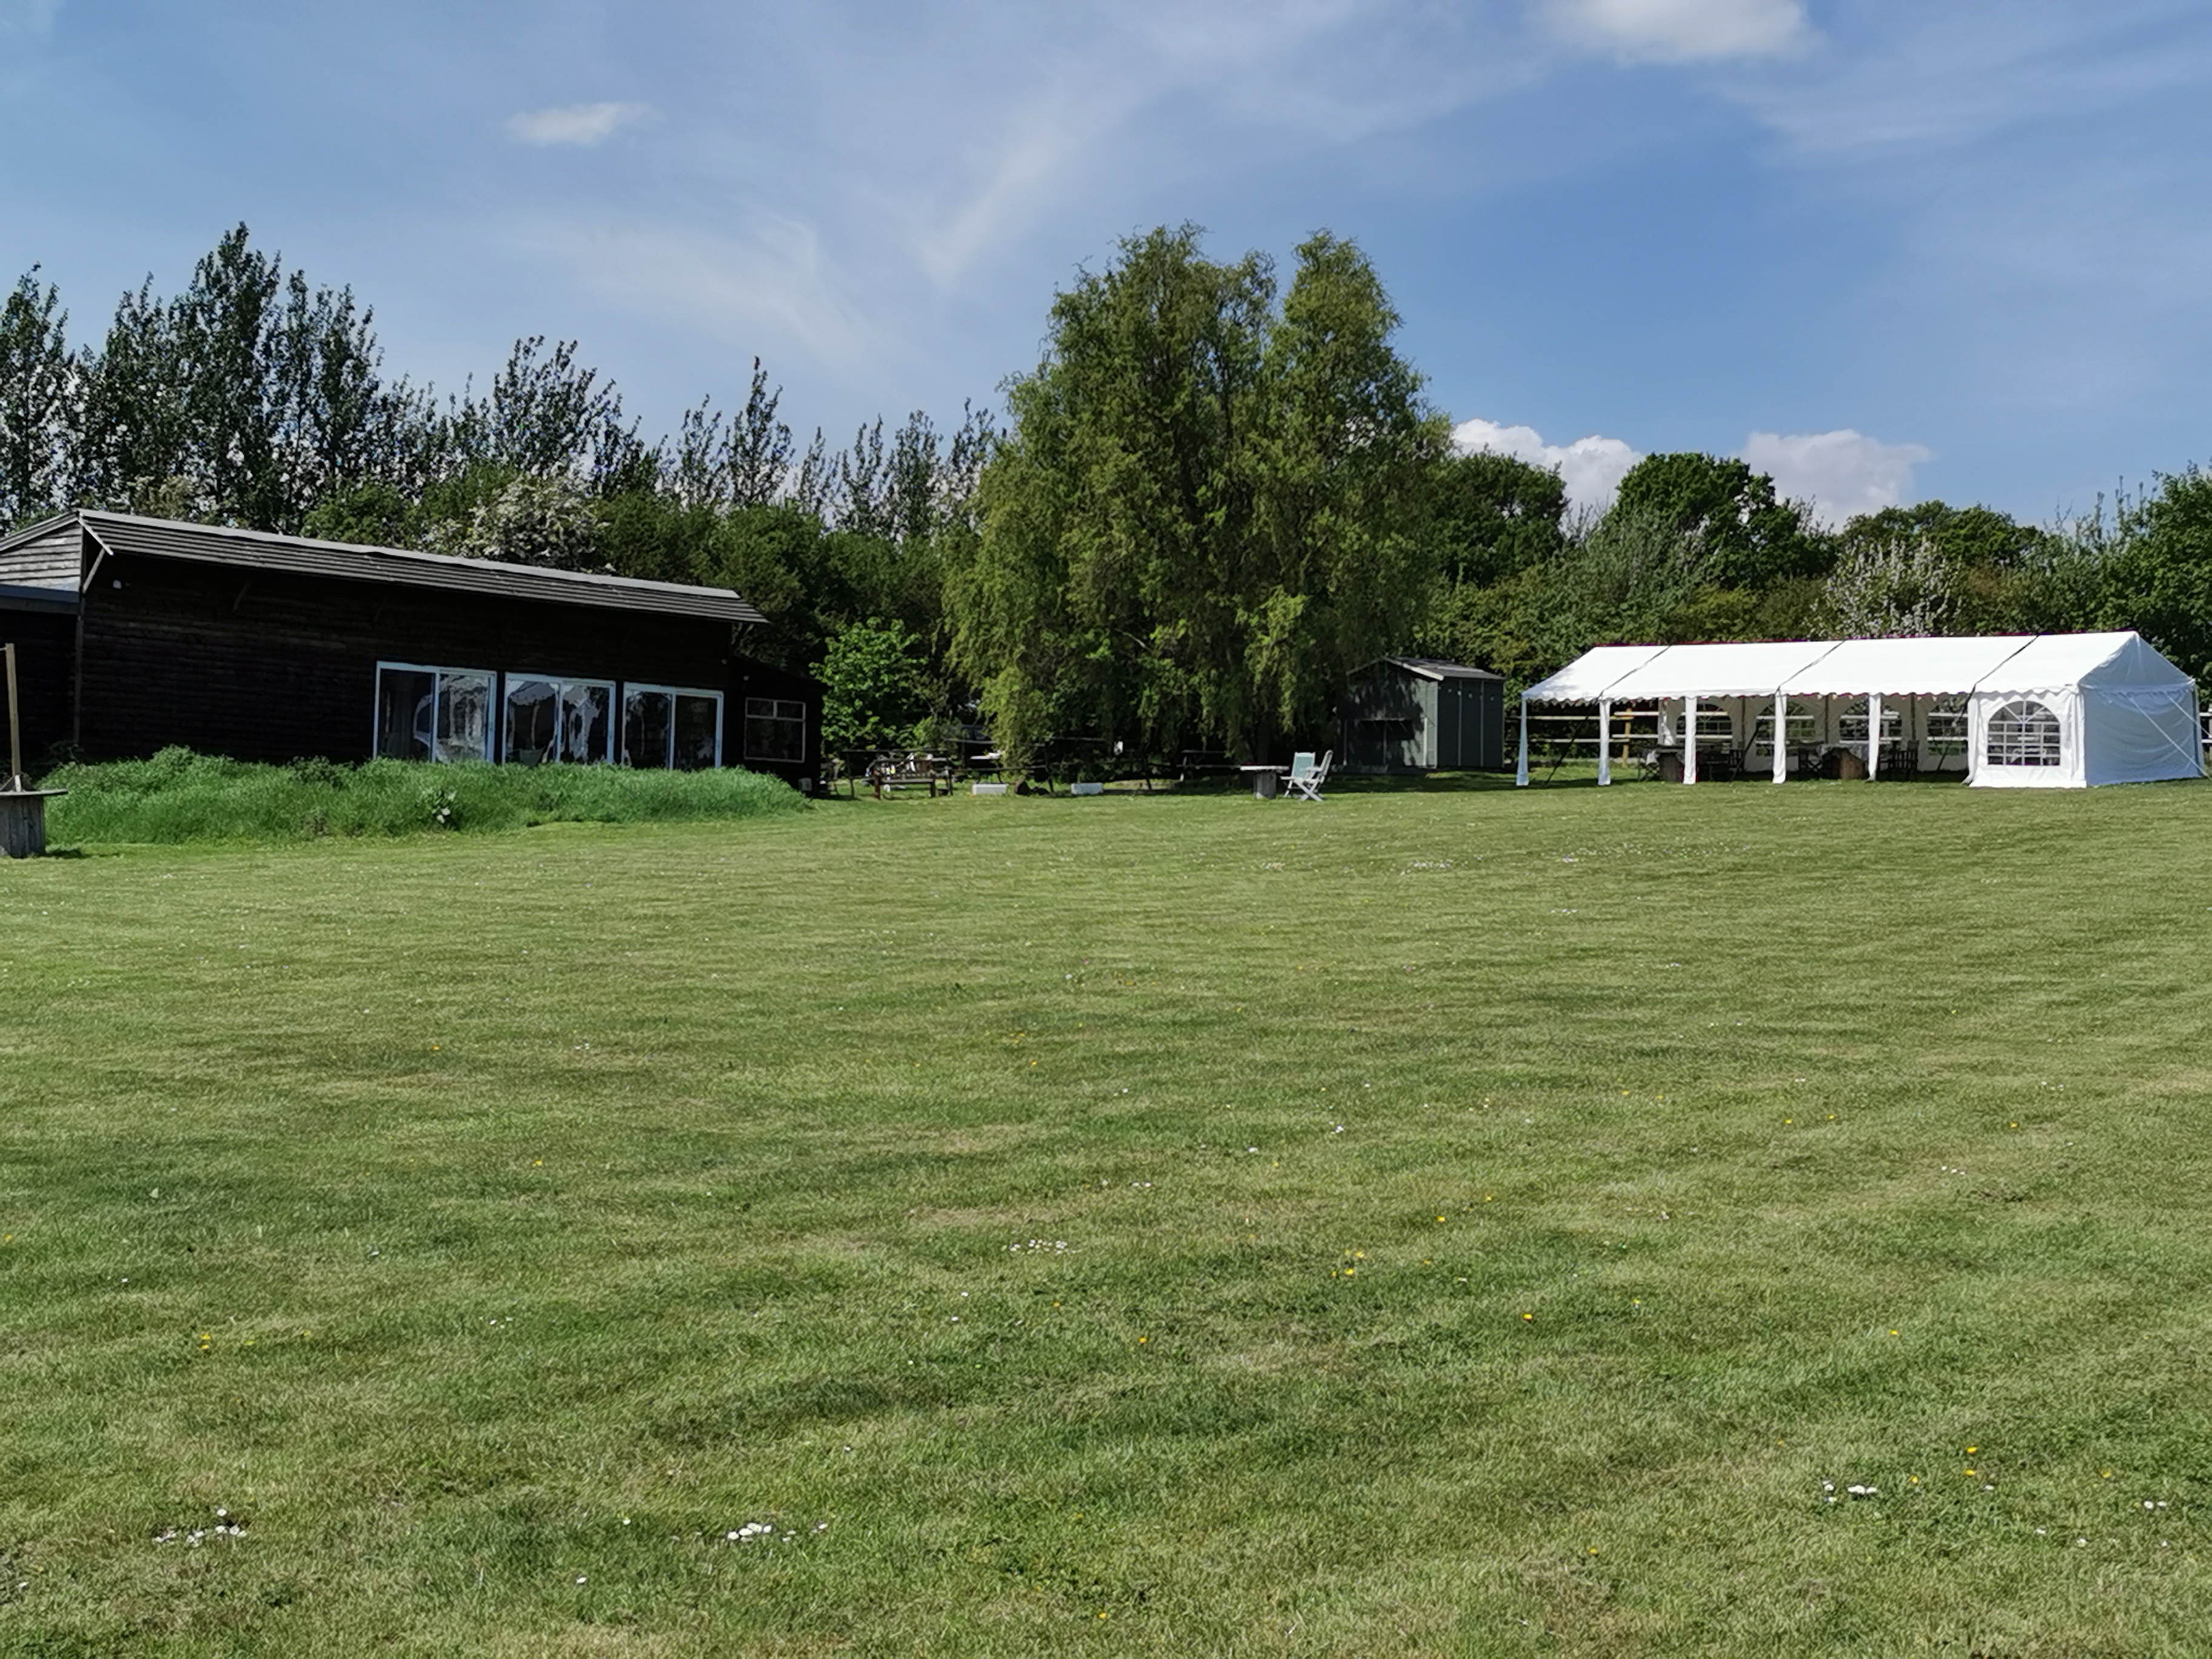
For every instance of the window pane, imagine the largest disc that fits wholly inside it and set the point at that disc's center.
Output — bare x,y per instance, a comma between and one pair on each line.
775,729
2023,734
647,717
406,699
1802,721
1947,725
587,723
533,730
698,726
1851,721
463,717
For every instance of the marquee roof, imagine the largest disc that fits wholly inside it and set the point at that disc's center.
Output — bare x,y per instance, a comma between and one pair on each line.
1904,668
1814,668
1718,670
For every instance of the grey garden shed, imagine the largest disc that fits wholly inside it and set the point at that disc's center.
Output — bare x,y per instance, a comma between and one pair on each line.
1416,715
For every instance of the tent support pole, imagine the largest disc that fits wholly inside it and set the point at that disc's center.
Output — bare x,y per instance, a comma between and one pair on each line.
1604,742
1873,735
1781,726
1520,773
1689,739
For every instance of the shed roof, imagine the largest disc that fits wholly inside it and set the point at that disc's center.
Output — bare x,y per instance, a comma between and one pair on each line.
1429,668
128,535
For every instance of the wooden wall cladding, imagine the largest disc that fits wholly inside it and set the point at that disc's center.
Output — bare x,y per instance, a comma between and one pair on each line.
271,666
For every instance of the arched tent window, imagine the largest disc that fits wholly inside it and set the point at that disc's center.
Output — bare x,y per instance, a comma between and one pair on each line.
2022,733
1947,725
1802,726
1851,721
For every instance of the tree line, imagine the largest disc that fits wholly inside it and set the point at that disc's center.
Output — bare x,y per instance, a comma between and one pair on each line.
256,399
1216,495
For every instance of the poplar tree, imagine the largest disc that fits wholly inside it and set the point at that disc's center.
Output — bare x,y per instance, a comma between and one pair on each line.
38,381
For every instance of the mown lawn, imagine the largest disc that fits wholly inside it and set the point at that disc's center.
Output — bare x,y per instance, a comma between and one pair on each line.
1452,1221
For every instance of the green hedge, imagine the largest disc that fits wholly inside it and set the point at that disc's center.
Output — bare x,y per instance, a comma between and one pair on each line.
180,796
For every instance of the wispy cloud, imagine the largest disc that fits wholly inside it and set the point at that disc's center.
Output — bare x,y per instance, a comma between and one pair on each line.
574,124
1681,31
770,278
1937,78
1161,89
27,16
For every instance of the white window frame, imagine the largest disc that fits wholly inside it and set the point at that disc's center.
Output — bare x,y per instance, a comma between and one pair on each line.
560,683
1801,726
621,716
1956,739
1892,721
800,703
439,672
2035,713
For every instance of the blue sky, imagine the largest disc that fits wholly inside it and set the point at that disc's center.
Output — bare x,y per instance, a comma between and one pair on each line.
1885,248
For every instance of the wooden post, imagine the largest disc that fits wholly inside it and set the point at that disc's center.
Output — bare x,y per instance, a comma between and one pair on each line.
14,726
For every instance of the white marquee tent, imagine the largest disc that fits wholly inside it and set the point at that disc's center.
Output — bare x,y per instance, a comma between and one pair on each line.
2034,710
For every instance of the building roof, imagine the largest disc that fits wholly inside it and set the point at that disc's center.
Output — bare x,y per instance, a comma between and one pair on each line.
1907,667
1592,674
1430,669
1719,671
1894,667
127,535
2050,660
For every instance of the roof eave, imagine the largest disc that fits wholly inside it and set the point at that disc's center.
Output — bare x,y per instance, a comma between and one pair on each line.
17,596
409,567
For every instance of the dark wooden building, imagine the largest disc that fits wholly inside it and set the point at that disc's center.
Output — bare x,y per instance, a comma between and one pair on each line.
1415,715
135,634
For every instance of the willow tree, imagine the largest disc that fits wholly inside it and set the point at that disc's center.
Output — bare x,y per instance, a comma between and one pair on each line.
1207,508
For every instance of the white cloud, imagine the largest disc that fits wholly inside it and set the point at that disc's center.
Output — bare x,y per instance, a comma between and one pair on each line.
1592,468
1841,473
574,124
1681,31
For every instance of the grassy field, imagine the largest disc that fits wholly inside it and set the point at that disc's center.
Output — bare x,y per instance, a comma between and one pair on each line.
1450,1221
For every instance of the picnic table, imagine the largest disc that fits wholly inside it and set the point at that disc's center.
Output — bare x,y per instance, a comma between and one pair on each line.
901,769
1267,781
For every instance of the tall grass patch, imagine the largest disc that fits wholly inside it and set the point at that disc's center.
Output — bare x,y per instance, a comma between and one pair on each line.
179,797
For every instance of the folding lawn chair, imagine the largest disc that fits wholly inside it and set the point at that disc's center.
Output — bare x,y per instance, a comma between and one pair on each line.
1307,776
